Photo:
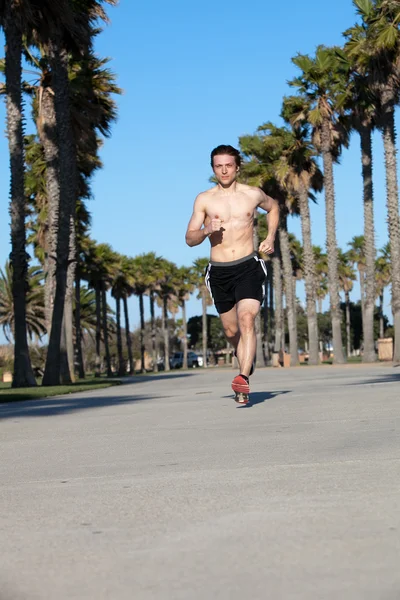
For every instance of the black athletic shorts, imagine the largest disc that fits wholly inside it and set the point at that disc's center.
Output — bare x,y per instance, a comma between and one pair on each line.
229,282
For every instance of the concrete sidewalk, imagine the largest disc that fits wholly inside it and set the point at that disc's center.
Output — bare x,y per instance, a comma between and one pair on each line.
165,489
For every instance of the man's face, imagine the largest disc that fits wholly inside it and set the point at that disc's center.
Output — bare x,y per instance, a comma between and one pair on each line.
225,169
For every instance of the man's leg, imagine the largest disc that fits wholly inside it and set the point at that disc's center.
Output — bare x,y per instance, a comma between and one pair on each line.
247,311
230,324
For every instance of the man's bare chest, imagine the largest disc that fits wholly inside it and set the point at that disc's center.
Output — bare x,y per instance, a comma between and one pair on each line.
233,208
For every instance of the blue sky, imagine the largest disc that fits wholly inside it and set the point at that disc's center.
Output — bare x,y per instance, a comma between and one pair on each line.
195,76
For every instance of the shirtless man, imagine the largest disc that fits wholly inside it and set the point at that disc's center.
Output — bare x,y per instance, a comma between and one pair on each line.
235,275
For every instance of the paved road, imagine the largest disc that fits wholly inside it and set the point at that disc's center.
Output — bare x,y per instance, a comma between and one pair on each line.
165,489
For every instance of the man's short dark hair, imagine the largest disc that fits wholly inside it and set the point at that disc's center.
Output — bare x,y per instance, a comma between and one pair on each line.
229,150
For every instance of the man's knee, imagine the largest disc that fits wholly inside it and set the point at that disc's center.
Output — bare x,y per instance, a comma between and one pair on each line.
246,321
231,332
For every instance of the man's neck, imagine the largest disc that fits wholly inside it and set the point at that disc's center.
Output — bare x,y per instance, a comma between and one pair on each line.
230,189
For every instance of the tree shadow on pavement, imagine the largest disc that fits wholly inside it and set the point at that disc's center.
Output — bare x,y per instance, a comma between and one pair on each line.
154,377
50,407
389,378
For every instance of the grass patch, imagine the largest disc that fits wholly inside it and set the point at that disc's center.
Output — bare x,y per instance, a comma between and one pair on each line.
9,394
352,360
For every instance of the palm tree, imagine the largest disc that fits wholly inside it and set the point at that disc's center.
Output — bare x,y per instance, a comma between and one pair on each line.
15,22
299,172
382,279
58,48
100,266
87,307
155,275
199,270
374,44
184,286
84,323
320,83
143,269
257,169
92,110
60,228
346,277
165,290
356,255
109,264
35,318
121,289
361,106
263,153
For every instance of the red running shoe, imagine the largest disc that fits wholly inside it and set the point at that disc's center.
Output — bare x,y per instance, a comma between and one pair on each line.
240,385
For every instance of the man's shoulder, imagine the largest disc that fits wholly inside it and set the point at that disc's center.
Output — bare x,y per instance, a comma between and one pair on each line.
206,194
250,190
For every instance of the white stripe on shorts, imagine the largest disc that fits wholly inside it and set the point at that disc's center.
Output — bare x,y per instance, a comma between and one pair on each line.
207,281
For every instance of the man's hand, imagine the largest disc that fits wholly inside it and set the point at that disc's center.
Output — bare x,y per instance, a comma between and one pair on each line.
214,225
267,246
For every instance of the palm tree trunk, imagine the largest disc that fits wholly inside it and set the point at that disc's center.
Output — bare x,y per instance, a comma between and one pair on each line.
68,182
277,278
270,340
294,280
121,363
309,277
128,337
288,274
204,292
49,286
64,374
257,324
166,332
389,143
320,306
67,374
184,325
98,332
381,323
142,348
78,330
153,333
331,244
369,354
23,373
361,279
105,332
348,323
47,130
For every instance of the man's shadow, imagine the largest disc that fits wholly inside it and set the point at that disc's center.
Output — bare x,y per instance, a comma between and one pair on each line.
260,397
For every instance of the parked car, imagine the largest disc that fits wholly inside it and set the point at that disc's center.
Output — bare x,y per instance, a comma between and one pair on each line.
177,360
160,364
200,358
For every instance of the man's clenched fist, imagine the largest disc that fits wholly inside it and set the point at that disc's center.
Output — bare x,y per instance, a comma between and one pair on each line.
267,246
214,225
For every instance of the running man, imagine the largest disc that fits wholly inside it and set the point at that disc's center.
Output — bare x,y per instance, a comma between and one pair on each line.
235,275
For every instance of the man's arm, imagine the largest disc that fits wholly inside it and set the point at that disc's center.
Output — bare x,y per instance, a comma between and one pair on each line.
272,207
196,234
